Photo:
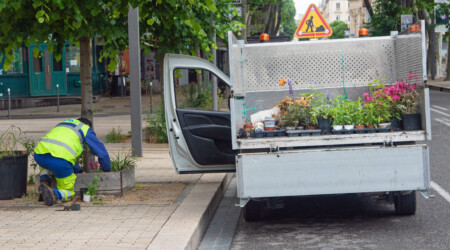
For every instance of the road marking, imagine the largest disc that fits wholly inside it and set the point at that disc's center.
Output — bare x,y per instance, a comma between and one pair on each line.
445,122
440,190
439,107
440,112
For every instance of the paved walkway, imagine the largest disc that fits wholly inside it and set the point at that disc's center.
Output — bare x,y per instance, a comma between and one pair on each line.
439,85
180,225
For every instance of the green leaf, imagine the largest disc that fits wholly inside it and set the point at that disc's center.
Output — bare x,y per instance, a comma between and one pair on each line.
188,22
150,22
40,14
35,52
40,19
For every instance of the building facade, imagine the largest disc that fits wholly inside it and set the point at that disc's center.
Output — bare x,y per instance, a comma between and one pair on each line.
358,16
333,10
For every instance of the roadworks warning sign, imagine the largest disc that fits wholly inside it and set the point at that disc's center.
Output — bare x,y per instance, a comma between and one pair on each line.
313,25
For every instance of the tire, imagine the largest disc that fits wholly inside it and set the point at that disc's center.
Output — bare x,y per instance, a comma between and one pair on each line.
252,211
405,204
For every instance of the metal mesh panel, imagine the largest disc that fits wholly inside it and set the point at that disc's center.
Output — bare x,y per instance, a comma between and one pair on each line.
317,64
408,53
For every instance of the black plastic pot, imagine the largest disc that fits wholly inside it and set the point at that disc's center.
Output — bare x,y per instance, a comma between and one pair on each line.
396,124
411,122
82,192
13,176
324,124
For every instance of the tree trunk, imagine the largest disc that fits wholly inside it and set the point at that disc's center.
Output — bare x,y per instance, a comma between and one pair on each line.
86,95
369,7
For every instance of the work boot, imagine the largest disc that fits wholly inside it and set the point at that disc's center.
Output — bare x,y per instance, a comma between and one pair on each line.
40,189
48,195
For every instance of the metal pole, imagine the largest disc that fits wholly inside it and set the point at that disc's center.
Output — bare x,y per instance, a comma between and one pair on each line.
57,97
9,104
135,81
151,98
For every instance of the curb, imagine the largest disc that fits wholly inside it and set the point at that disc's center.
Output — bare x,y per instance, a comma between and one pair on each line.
186,226
438,88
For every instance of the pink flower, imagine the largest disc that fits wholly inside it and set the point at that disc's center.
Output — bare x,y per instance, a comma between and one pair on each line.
395,98
410,76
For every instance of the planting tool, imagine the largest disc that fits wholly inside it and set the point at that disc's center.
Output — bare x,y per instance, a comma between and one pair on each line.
71,206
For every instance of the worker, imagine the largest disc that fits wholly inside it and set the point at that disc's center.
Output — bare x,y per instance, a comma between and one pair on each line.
57,153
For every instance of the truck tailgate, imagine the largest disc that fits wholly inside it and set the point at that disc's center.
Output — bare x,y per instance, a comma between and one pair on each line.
333,171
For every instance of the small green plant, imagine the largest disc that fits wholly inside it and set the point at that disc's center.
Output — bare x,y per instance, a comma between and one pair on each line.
115,136
93,188
30,197
12,139
122,160
156,124
31,179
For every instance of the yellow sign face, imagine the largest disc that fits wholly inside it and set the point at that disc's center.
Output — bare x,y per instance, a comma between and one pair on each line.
313,25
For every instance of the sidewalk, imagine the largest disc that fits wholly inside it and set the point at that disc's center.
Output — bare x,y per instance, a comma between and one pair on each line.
439,85
179,225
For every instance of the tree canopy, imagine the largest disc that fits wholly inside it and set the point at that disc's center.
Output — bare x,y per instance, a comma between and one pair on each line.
288,25
338,28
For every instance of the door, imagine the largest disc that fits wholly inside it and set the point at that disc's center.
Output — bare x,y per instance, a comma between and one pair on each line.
46,74
199,138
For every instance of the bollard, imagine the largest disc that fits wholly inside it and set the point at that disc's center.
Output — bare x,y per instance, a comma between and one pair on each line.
57,97
151,98
9,104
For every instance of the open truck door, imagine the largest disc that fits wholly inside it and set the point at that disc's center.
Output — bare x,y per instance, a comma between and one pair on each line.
199,138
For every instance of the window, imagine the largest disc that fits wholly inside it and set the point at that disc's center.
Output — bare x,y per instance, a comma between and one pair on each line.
349,18
37,63
72,59
338,17
338,6
16,65
193,90
57,66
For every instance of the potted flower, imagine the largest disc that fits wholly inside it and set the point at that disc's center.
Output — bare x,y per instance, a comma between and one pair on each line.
360,116
323,116
290,116
14,151
409,105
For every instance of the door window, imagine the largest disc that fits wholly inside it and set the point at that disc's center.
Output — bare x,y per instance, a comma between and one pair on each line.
37,63
193,90
57,66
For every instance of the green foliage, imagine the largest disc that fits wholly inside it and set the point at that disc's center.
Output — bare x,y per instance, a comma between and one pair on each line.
93,187
30,179
123,160
12,141
338,28
156,124
386,17
288,25
115,136
291,116
180,26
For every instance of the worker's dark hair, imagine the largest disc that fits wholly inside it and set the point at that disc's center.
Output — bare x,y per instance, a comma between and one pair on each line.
85,121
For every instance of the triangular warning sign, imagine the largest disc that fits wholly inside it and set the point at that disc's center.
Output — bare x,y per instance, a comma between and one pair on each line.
313,25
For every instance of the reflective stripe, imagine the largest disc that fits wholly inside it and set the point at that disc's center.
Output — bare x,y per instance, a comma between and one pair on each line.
62,144
74,129
65,194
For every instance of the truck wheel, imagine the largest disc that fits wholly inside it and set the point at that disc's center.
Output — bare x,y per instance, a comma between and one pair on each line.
405,204
252,211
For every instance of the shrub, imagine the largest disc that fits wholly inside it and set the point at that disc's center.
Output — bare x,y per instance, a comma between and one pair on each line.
115,136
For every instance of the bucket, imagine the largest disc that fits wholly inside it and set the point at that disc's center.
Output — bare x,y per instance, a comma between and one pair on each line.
269,123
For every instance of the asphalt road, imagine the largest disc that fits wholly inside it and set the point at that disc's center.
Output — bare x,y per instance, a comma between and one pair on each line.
349,221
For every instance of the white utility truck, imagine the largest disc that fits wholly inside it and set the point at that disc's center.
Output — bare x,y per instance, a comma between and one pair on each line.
391,165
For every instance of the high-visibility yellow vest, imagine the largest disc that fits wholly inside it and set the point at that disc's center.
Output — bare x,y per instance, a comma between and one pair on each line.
64,141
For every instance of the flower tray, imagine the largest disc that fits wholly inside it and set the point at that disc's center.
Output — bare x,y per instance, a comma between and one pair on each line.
273,133
304,132
361,131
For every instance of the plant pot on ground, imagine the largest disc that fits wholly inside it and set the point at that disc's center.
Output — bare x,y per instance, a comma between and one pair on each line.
324,124
396,124
14,163
360,126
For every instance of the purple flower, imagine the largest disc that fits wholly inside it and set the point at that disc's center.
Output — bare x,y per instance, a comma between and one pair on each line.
291,91
328,96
